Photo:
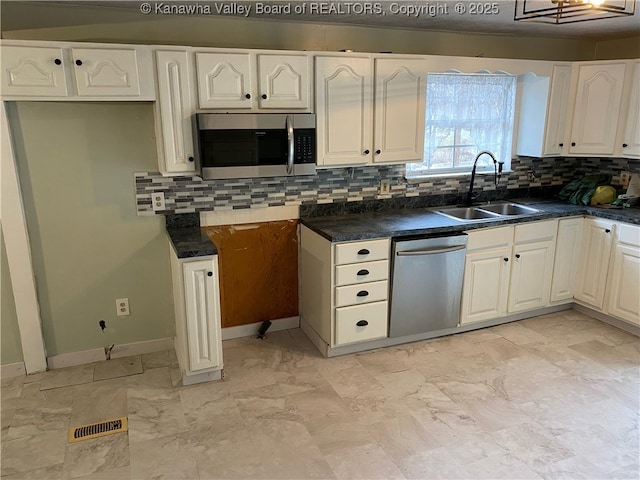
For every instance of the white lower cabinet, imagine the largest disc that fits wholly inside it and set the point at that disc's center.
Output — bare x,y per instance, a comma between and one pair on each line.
197,312
507,270
624,285
566,259
595,251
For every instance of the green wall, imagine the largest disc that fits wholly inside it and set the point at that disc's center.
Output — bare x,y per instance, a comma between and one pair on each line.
10,348
76,164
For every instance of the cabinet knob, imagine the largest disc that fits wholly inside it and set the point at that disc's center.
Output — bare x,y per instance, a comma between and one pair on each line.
561,144
247,96
378,152
191,159
624,145
573,144
209,274
363,251
78,62
264,96
362,293
57,61
607,230
363,272
517,255
366,152
362,323
506,259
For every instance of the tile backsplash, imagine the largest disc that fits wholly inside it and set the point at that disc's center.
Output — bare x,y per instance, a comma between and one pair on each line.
192,194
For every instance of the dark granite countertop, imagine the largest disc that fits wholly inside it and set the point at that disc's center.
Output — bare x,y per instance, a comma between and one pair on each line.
408,222
191,242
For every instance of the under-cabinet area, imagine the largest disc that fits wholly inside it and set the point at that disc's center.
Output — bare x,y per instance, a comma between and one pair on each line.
510,272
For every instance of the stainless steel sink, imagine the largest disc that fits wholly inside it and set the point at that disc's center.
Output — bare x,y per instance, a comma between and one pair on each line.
487,212
467,213
509,209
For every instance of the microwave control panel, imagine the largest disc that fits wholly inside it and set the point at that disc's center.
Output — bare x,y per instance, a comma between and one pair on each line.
305,145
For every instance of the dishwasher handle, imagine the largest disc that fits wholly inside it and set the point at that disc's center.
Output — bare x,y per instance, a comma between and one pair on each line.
431,251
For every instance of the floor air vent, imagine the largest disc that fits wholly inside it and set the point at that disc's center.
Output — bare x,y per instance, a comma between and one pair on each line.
100,429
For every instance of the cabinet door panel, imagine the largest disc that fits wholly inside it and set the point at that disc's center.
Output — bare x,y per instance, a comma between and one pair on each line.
530,276
224,80
344,110
284,81
177,107
203,314
597,109
632,131
624,301
399,110
484,292
566,259
104,72
554,138
594,262
32,71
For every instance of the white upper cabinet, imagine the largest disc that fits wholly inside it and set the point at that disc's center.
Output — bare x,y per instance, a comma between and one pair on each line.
344,101
348,132
175,111
224,80
283,81
400,91
596,113
631,139
91,73
543,113
253,81
106,72
33,72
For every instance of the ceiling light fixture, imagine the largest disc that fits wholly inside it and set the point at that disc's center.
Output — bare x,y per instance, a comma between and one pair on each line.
569,11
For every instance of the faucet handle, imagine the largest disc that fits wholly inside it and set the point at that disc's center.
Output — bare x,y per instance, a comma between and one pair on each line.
500,165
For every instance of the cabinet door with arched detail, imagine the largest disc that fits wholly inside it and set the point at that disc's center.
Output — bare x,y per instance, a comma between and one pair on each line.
224,80
106,72
33,72
283,81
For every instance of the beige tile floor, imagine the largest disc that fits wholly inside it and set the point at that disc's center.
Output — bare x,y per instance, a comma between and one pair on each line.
550,397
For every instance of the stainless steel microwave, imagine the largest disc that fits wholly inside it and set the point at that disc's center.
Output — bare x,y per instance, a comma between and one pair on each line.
244,145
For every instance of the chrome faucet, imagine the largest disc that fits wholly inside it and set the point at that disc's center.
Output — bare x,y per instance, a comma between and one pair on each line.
497,171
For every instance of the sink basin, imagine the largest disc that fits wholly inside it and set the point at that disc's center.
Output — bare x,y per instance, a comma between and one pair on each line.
467,213
509,209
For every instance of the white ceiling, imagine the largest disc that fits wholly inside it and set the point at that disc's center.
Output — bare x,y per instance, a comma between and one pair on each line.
445,16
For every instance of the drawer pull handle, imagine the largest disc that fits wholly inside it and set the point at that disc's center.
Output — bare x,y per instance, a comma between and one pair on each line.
363,251
362,293
363,272
362,323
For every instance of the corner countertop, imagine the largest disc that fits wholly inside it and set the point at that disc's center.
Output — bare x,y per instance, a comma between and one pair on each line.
425,221
189,242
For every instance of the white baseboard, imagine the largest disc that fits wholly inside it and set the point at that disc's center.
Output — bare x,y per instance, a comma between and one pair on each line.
11,370
603,317
252,328
97,354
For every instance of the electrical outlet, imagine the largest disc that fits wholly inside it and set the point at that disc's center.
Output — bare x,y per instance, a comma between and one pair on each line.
157,199
122,307
385,187
624,179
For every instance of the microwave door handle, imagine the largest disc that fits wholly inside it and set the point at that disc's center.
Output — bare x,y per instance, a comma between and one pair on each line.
290,144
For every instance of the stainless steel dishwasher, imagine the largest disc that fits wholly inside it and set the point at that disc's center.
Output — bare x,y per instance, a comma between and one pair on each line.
426,286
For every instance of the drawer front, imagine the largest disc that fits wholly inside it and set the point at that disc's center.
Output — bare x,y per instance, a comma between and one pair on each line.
353,252
347,318
363,293
489,238
629,234
535,231
362,272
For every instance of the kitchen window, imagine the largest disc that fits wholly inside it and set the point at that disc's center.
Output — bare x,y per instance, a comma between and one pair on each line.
466,114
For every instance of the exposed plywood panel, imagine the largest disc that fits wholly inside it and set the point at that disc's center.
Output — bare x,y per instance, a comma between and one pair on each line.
258,271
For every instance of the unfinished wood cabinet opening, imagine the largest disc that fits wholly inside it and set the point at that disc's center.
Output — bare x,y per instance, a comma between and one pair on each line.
258,265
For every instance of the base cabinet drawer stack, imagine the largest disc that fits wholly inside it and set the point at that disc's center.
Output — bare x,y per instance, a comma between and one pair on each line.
361,293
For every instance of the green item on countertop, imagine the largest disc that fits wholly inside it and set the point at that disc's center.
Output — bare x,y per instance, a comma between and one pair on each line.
579,192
